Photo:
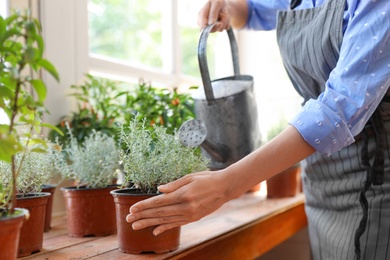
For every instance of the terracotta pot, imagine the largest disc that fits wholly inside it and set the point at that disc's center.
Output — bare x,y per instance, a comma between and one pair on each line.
49,206
87,209
140,241
10,227
31,234
285,184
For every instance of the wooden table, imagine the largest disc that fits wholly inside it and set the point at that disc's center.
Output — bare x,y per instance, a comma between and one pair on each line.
244,228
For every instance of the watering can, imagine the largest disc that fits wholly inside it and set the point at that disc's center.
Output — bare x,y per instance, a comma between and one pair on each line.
226,125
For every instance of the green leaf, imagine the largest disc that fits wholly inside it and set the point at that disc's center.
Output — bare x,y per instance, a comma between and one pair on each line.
4,128
6,92
30,55
9,34
8,148
53,128
10,19
49,68
40,89
38,150
3,27
41,45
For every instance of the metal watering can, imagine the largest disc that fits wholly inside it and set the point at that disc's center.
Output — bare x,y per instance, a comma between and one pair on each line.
226,125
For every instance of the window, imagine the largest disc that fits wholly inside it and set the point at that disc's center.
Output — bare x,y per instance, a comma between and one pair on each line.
66,25
4,8
153,39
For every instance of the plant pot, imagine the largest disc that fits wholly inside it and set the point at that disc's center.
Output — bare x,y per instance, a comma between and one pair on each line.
285,184
31,234
49,206
90,212
140,241
10,227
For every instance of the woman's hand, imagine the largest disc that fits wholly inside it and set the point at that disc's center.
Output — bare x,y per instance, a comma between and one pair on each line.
224,13
214,11
183,201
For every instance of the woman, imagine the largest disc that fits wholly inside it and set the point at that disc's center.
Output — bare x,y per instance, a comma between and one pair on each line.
337,55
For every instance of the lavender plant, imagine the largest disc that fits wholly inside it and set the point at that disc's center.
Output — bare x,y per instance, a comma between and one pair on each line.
36,167
154,157
94,163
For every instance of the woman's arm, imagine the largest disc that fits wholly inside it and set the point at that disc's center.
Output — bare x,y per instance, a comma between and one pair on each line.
197,195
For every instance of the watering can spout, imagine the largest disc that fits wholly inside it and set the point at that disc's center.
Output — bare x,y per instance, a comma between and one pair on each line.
193,133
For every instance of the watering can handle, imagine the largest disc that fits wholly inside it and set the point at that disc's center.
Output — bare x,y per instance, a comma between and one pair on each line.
202,59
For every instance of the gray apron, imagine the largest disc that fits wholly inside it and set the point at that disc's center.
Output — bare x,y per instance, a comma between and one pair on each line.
348,192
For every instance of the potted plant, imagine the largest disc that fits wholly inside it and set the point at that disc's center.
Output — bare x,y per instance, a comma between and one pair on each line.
102,103
93,166
97,109
35,167
10,225
22,101
149,158
286,183
158,106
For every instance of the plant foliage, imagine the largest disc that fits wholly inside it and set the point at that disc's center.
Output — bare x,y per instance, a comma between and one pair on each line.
97,110
22,92
93,163
155,157
36,167
104,105
158,106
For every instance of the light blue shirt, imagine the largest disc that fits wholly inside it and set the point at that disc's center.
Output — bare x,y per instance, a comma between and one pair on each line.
358,82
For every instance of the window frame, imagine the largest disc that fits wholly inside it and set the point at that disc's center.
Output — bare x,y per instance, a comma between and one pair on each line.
171,72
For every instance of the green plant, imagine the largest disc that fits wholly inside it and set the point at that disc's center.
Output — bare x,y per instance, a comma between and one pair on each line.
158,106
22,93
97,101
93,163
155,157
35,167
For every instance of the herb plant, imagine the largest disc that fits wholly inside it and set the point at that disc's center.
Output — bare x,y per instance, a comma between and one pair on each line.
22,93
36,167
94,163
155,157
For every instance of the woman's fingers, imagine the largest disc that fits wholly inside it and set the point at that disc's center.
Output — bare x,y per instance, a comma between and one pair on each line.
174,185
190,199
214,11
203,15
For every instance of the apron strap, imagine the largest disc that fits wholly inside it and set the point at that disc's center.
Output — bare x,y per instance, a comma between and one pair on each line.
375,173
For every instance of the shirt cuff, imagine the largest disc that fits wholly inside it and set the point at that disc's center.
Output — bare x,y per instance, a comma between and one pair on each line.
322,128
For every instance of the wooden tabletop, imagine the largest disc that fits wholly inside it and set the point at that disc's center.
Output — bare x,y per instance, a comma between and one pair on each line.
243,228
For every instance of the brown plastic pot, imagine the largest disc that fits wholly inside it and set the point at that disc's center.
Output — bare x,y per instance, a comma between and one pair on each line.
90,212
140,241
285,184
10,227
49,206
31,234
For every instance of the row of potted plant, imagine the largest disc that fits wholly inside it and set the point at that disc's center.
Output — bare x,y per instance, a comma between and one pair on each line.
22,102
145,159
105,105
91,158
